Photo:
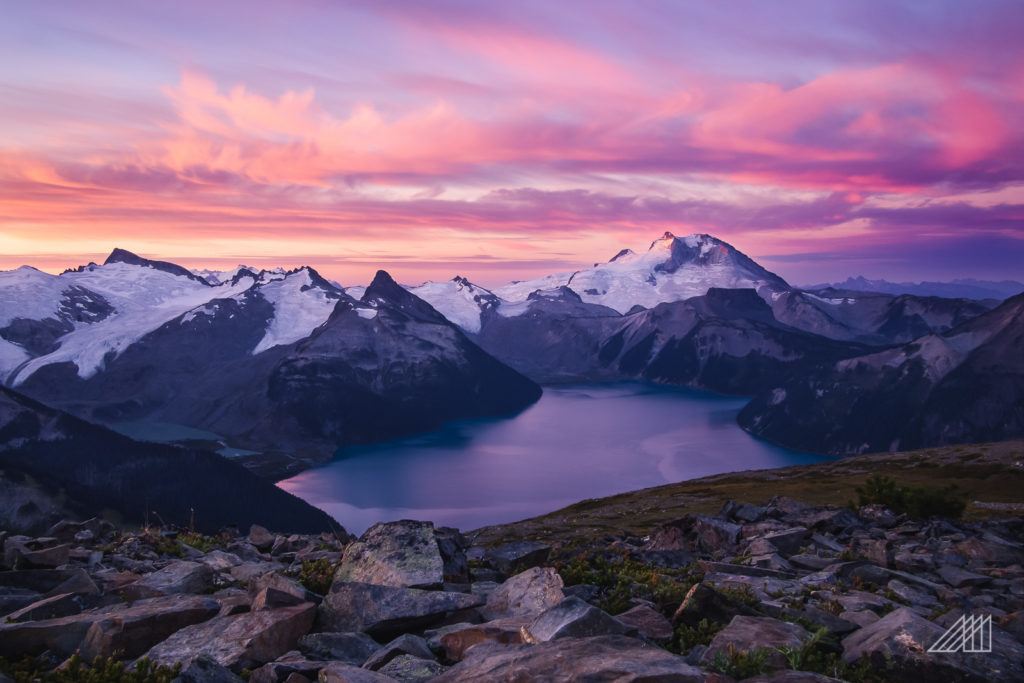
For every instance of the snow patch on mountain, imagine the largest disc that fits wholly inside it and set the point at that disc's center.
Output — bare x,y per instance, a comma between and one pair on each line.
143,298
300,306
519,290
29,293
11,356
458,300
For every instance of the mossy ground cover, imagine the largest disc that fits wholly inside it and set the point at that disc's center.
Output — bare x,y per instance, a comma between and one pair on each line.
986,473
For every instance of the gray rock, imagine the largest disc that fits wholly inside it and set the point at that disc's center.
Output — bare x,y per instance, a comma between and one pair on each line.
715,534
573,618
862,618
788,541
455,641
60,605
412,669
405,644
792,677
339,672
177,578
814,562
516,557
248,571
602,658
743,570
742,512
897,644
527,593
12,598
751,633
53,556
241,641
703,601
274,590
351,648
204,669
958,578
286,665
141,621
385,611
648,622
220,561
912,596
403,554
260,538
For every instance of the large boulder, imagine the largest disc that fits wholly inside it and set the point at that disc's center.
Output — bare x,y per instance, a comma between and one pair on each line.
601,658
898,644
746,634
406,554
386,611
573,618
525,594
142,621
240,641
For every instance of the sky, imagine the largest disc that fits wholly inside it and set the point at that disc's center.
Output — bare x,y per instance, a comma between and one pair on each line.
509,140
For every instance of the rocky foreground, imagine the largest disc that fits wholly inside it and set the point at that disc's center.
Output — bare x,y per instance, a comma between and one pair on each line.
779,592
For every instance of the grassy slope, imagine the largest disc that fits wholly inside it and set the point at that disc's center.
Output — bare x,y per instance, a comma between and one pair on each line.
987,473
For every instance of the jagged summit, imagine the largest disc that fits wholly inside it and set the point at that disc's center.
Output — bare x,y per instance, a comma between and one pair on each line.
119,255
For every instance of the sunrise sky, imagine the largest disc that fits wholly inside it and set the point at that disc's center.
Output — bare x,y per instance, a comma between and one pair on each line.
507,140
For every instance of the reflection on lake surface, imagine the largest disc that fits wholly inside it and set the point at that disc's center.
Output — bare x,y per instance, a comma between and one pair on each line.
579,441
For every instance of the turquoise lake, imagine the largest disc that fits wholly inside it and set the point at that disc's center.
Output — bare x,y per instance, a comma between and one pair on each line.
576,442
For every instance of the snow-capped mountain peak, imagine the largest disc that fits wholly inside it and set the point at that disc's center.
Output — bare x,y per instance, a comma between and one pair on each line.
671,269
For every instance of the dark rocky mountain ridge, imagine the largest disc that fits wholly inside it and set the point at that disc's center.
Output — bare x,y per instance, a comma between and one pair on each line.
91,468
964,385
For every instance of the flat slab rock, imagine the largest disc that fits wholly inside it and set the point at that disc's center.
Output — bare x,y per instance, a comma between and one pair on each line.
238,641
386,611
601,658
146,620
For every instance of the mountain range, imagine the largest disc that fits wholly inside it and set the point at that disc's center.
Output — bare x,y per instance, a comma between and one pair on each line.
964,288
276,369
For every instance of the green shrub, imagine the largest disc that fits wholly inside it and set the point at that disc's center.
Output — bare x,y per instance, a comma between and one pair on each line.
740,664
101,670
199,541
916,501
685,638
623,579
317,575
